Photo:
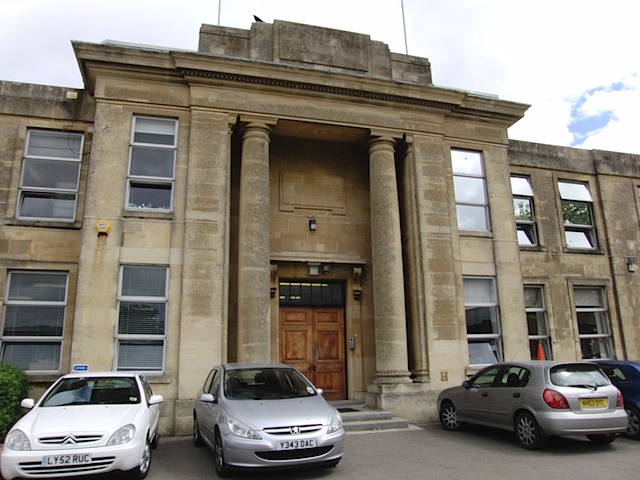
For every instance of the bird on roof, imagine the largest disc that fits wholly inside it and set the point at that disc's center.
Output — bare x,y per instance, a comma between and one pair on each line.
258,19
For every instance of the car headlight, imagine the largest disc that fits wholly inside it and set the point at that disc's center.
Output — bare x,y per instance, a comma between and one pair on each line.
241,430
123,435
17,440
336,423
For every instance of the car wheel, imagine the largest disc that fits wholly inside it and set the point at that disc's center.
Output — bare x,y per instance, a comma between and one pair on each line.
197,436
528,432
142,469
218,456
449,416
602,439
633,430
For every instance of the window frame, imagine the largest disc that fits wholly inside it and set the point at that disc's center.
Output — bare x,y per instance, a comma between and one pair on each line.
47,192
34,340
131,339
585,231
540,312
470,174
528,228
493,340
603,338
140,181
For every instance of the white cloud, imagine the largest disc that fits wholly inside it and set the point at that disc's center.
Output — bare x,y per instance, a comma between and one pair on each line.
546,53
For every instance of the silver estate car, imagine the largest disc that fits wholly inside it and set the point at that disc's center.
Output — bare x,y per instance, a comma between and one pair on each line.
536,400
265,415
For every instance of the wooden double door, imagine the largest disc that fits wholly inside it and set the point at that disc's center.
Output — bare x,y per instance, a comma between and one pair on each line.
312,340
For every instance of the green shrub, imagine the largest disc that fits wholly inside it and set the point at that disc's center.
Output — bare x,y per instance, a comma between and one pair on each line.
14,385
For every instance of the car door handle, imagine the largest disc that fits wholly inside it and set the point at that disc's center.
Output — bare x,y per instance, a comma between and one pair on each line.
516,394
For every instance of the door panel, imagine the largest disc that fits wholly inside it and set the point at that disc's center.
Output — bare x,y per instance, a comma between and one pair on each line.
312,340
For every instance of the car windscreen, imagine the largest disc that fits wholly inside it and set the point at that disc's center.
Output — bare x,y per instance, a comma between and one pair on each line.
578,375
266,384
93,391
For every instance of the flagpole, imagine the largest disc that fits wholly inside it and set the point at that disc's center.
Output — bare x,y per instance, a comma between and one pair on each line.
404,27
219,3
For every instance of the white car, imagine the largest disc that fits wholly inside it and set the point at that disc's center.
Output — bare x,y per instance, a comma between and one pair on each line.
85,423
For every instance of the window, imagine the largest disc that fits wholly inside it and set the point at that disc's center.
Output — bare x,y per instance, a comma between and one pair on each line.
593,323
537,321
142,314
577,213
33,320
50,175
470,190
514,376
484,379
483,324
523,210
152,156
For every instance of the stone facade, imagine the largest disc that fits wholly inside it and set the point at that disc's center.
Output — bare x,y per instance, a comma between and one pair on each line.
277,127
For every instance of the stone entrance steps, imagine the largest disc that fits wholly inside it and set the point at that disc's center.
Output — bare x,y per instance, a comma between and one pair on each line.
357,418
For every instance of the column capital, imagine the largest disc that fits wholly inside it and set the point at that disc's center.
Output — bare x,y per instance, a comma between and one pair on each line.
257,119
386,134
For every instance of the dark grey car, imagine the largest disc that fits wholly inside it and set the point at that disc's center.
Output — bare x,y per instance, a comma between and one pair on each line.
536,400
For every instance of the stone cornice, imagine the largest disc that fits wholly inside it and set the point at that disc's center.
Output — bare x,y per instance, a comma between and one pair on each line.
316,88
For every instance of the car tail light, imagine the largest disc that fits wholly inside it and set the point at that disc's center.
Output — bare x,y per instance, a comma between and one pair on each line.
554,399
620,400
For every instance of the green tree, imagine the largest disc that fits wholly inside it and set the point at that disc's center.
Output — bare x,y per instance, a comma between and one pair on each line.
14,385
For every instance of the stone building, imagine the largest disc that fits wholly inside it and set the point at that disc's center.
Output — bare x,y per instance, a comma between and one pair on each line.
299,194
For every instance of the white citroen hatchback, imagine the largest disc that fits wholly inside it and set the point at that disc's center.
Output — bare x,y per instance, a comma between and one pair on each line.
85,423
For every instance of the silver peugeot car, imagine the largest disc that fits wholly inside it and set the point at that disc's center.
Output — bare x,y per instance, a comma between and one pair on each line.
265,415
536,400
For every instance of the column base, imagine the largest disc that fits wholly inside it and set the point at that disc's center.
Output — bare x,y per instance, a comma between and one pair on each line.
415,402
392,377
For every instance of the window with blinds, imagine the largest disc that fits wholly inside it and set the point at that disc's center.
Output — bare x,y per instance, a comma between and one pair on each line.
33,320
142,316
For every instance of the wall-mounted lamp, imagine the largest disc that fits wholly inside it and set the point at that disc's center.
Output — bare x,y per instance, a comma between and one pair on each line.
313,225
632,264
326,268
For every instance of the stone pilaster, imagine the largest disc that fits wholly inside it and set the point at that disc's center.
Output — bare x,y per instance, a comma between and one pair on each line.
253,247
388,277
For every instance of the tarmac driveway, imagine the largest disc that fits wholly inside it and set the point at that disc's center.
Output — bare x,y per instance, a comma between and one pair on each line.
430,452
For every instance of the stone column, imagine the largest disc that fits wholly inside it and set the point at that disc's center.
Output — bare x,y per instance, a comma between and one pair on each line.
412,209
254,342
388,278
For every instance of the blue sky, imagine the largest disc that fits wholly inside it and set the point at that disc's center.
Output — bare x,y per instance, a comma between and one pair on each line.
574,61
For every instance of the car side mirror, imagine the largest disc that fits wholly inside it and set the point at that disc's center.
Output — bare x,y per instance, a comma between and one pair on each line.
466,384
320,391
27,403
155,399
207,398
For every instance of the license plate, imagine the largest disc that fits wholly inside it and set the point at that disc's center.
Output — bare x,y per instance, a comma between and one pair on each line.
593,402
296,444
72,459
